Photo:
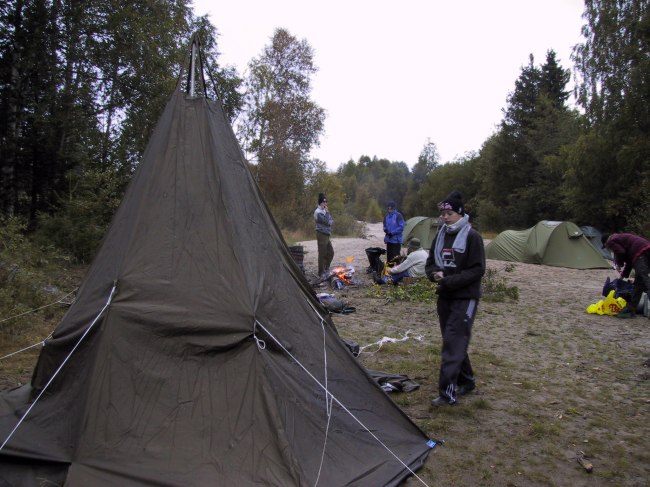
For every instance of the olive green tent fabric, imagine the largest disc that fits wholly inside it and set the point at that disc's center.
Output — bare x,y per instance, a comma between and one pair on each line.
553,243
594,236
196,353
422,227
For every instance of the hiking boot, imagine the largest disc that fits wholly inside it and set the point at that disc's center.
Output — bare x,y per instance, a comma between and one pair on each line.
625,314
376,278
465,388
442,401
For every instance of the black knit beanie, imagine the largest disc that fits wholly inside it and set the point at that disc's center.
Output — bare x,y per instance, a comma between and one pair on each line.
321,198
453,201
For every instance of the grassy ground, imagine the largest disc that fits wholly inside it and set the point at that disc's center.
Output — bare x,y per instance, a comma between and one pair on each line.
553,382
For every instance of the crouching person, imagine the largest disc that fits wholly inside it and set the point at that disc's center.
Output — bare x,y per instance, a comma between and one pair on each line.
412,266
631,252
456,263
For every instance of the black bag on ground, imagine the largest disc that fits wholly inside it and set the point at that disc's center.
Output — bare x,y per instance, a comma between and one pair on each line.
394,382
374,259
334,305
622,288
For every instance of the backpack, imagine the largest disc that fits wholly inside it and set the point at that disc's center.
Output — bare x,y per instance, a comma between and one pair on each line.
374,259
334,305
621,287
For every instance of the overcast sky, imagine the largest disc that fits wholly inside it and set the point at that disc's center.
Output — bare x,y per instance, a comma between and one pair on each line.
394,74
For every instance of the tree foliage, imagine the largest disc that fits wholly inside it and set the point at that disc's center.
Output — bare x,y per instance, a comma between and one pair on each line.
81,85
281,123
516,175
608,174
428,161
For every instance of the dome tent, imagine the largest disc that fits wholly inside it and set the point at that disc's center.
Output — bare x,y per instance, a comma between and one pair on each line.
422,227
553,243
189,359
595,238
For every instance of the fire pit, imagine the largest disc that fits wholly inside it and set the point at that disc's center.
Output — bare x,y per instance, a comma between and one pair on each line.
341,276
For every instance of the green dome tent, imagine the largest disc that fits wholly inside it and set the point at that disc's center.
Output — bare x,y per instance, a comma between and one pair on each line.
422,227
594,236
553,243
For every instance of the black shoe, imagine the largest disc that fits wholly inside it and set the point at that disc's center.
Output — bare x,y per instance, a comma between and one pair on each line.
625,313
376,278
465,388
442,401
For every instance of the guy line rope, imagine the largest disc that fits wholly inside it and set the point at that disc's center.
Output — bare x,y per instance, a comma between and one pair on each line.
330,395
108,302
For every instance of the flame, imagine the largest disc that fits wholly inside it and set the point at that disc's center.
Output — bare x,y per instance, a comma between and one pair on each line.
343,273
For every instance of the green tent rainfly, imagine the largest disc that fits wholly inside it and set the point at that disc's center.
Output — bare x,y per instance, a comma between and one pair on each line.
422,227
553,243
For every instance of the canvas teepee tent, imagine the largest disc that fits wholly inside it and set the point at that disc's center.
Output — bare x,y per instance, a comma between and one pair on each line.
195,353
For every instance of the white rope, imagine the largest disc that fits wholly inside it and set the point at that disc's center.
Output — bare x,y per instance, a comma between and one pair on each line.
36,309
328,393
328,404
383,340
42,343
108,302
261,345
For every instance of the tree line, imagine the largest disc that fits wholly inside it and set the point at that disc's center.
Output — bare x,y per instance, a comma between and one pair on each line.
83,82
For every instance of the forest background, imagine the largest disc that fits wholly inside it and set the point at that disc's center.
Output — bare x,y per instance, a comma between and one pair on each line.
82,84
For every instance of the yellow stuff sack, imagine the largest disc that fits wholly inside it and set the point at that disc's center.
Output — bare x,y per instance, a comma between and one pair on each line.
608,306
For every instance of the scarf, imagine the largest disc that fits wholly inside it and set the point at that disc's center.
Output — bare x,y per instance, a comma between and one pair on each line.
461,228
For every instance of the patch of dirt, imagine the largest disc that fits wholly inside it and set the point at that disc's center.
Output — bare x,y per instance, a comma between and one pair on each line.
554,383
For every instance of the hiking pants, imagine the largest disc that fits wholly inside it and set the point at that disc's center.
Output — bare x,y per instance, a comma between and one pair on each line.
641,279
393,250
456,319
325,252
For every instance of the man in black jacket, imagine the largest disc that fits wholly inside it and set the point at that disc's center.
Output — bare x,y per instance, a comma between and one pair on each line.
456,263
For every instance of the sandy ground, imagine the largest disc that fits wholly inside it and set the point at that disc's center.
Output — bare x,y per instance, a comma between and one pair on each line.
584,374
346,247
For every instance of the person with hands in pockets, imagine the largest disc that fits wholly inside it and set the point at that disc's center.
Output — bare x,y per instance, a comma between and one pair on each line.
456,263
393,227
324,221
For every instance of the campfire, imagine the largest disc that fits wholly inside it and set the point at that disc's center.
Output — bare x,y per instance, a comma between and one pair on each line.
342,273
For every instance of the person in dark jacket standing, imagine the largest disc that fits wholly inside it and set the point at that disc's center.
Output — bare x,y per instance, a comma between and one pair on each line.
393,227
631,252
324,223
456,263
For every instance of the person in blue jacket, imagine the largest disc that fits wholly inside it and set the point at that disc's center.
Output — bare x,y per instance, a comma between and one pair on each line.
393,227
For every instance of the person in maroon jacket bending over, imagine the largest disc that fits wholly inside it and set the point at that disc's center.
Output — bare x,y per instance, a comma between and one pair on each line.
456,263
631,252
